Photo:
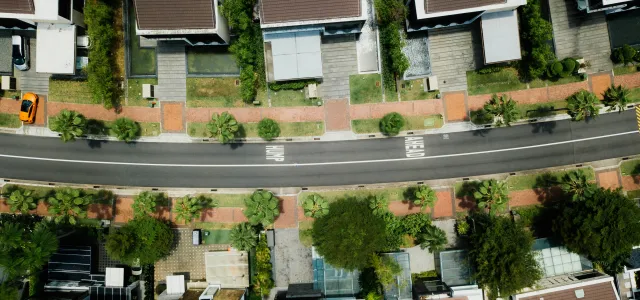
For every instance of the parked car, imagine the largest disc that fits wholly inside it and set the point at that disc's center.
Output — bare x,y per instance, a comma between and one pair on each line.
20,52
195,234
28,108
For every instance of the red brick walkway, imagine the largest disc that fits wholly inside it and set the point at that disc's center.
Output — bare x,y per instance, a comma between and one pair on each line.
337,115
172,116
406,108
600,83
608,179
456,106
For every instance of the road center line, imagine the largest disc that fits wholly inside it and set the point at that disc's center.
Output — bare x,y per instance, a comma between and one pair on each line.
322,163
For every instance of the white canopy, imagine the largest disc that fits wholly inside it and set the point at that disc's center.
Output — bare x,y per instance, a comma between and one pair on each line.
56,48
500,37
296,55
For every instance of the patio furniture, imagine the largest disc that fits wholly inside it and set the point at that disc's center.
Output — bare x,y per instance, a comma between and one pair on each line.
430,83
148,91
83,41
8,83
580,62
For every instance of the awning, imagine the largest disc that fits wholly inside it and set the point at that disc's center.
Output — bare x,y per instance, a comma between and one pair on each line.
56,48
295,55
500,37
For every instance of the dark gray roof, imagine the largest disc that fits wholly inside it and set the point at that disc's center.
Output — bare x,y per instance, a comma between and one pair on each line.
17,6
281,11
434,6
6,66
401,288
175,15
634,259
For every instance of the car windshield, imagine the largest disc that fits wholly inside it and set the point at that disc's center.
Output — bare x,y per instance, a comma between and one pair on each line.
16,52
26,104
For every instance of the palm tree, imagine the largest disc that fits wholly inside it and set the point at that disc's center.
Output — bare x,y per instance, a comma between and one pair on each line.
70,124
576,184
22,201
10,236
43,243
126,129
315,206
244,237
145,203
223,127
379,204
188,208
492,195
583,105
503,109
262,207
617,97
433,238
69,204
426,196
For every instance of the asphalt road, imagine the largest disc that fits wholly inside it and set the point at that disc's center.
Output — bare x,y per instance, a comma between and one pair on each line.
462,154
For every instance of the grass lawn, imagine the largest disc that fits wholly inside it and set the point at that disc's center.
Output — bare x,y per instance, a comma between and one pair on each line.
285,98
216,236
542,109
530,181
304,232
630,167
505,80
366,88
118,44
213,226
393,194
538,83
528,214
142,60
213,92
634,95
211,61
633,194
622,70
414,90
411,123
9,120
228,200
70,91
134,94
250,130
10,94
146,128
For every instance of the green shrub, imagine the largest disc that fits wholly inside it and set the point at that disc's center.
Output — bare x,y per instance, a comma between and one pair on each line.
263,282
268,129
126,129
489,70
391,15
99,20
636,57
624,55
247,84
462,226
554,69
290,85
535,34
569,66
414,224
391,124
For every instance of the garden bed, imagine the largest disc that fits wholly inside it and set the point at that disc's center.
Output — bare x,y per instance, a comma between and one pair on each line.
630,167
214,92
622,70
250,130
531,181
365,88
392,193
10,94
411,123
285,98
414,90
211,61
134,93
42,192
502,81
142,61
10,121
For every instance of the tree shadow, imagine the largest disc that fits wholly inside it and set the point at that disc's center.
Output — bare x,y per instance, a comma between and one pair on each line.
409,196
465,194
635,174
101,211
95,144
544,127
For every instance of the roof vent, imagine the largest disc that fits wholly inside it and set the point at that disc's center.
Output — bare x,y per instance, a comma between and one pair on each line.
579,293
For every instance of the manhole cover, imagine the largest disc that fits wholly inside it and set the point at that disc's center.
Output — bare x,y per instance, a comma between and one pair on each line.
445,136
429,122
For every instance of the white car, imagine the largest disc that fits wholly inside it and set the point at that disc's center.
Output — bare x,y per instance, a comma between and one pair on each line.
20,52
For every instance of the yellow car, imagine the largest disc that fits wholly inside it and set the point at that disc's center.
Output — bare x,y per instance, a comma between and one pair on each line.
28,108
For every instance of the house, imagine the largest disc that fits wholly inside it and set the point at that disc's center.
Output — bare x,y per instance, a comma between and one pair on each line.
56,24
498,18
591,6
627,282
293,32
567,276
456,280
196,22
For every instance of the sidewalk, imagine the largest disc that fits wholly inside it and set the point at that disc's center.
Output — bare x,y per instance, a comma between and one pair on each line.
454,107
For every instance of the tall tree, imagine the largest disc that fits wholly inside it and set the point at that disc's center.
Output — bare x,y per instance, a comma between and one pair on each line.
349,234
262,207
69,204
535,34
244,237
603,226
126,129
143,238
492,195
146,202
576,184
315,206
425,197
223,127
500,253
25,250
503,109
70,124
22,200
617,97
583,105
433,238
